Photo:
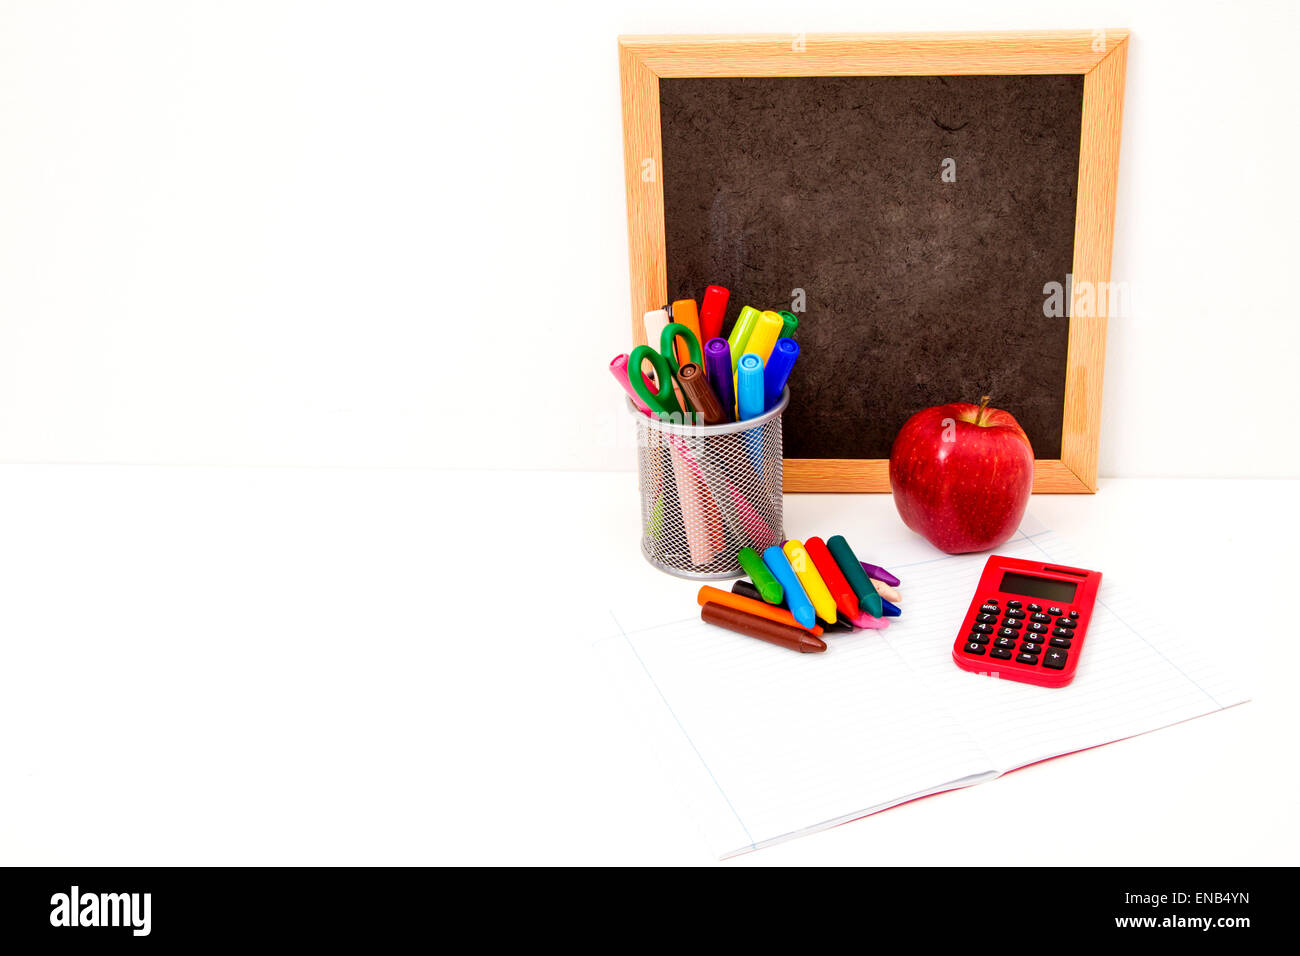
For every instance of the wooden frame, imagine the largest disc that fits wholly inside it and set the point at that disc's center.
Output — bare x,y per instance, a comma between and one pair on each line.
1099,55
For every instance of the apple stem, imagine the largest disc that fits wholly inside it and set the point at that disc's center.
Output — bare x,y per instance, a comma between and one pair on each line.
984,404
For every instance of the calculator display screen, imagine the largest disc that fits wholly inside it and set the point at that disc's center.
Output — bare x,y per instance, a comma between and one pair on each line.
1045,588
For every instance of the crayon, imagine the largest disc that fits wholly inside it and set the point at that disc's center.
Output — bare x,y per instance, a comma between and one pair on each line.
712,311
841,623
795,597
717,362
794,638
790,321
691,378
685,313
845,599
749,387
741,602
851,568
885,591
765,584
806,570
866,620
740,332
891,610
766,331
880,574
777,372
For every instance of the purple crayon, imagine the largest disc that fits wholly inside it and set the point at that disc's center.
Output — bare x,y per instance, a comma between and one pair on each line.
717,363
880,574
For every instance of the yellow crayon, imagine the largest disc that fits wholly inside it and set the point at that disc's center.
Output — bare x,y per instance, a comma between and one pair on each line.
766,331
818,593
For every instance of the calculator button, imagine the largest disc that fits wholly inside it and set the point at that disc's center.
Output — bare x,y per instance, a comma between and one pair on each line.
1066,622
1055,659
977,638
1013,604
1041,618
987,619
1062,632
1054,610
1027,658
1038,628
1012,622
988,609
1008,633
1005,642
1059,642
991,600
1035,607
1074,615
974,648
1000,653
983,628
1030,648
1016,614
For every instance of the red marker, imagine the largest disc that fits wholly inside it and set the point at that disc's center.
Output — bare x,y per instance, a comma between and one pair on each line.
712,312
845,598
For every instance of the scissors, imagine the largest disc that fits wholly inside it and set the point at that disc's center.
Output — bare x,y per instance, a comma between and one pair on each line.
665,366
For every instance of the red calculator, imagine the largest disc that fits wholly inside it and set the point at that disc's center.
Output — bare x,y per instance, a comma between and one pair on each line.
1028,621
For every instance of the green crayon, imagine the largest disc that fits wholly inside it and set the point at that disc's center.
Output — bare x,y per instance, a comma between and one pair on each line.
758,572
851,568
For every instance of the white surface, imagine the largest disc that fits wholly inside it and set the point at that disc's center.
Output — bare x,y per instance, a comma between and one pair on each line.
236,232
346,666
768,746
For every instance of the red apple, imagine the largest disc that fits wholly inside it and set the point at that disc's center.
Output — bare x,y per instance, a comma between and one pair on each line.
962,475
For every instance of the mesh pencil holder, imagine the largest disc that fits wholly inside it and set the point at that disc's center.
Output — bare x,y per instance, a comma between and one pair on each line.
709,490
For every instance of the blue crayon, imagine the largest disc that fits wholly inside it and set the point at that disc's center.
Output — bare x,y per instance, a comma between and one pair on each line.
779,364
891,610
795,596
749,387
717,363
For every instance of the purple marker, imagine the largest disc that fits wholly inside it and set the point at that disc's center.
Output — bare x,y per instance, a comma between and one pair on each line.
880,574
717,363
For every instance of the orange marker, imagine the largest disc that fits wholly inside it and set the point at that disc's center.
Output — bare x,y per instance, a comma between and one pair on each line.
780,615
836,583
685,313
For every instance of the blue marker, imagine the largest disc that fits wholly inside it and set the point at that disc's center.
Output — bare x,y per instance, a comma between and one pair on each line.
795,596
779,365
749,387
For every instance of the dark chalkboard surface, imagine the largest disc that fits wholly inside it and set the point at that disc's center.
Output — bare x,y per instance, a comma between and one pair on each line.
917,291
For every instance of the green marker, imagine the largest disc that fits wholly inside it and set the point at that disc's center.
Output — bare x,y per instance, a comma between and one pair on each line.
791,323
758,572
851,568
740,332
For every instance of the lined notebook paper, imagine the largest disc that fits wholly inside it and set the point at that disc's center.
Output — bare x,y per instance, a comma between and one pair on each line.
732,717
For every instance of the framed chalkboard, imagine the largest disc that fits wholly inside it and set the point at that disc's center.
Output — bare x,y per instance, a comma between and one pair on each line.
927,204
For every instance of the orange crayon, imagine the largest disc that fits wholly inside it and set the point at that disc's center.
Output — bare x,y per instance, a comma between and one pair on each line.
780,615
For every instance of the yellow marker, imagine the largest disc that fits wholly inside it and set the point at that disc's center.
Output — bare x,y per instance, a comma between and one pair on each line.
810,578
766,331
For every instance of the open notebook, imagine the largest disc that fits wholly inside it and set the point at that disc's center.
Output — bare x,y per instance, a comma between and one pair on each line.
729,715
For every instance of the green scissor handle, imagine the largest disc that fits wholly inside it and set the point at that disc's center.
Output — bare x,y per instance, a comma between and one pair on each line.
668,345
664,401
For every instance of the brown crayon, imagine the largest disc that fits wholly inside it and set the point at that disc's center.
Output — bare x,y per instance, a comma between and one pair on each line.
794,638
697,388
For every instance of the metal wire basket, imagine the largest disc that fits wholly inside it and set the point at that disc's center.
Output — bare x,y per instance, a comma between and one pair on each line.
708,491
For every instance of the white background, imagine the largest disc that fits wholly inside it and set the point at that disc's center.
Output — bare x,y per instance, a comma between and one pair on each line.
252,233
377,235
